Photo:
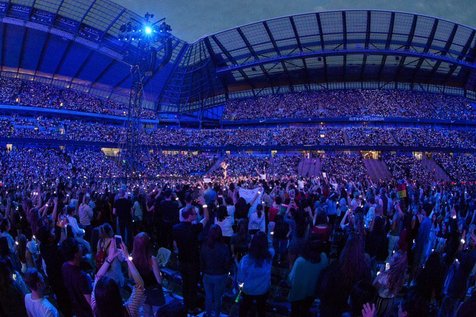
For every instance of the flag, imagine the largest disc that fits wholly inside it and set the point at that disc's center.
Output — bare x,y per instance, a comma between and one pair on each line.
402,190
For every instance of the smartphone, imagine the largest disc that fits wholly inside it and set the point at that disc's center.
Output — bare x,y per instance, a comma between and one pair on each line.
118,240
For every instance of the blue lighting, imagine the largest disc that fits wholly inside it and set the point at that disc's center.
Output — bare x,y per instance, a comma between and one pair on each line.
148,30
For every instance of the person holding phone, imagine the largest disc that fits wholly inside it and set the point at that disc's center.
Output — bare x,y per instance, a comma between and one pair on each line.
106,298
104,245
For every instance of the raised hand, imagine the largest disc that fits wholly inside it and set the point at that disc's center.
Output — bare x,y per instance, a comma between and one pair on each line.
369,310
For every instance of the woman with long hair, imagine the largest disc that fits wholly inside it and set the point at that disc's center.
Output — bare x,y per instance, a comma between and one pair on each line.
23,254
429,281
299,232
241,209
341,276
254,275
240,240
148,268
106,237
215,263
376,241
257,220
390,282
225,221
106,298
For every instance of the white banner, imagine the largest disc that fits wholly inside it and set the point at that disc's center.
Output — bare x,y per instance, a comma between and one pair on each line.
248,195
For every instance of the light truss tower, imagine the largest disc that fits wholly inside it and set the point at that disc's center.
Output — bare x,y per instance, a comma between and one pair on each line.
142,56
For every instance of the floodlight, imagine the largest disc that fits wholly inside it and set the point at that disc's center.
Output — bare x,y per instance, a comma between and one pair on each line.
148,30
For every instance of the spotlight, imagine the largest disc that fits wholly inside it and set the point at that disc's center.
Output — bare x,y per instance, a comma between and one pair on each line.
148,30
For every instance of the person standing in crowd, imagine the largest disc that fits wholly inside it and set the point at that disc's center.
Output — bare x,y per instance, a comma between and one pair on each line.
299,230
106,298
188,198
376,241
422,240
12,293
331,209
257,220
304,276
254,274
396,225
169,215
105,243
5,227
37,305
233,193
138,208
429,281
53,262
225,222
210,195
123,211
149,270
341,276
215,263
77,282
86,215
390,282
281,235
186,239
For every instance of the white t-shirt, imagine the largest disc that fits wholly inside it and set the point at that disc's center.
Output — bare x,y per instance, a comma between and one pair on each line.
39,307
74,226
226,226
257,223
85,215
231,211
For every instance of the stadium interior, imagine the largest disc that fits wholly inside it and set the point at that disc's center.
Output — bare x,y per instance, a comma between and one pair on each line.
353,96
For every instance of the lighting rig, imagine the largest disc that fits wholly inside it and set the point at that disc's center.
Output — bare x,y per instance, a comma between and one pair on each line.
143,41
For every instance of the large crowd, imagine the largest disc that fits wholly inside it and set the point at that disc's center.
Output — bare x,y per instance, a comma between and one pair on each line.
237,233
14,91
322,104
86,164
299,136
406,166
459,167
349,103
89,163
233,242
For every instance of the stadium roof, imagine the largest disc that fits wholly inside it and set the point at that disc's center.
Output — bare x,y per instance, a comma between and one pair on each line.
74,43
319,50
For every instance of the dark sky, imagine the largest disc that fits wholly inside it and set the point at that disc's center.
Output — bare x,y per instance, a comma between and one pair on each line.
192,19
